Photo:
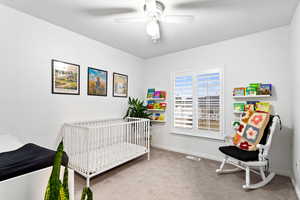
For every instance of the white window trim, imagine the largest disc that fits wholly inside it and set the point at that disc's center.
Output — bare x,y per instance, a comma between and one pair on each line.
195,132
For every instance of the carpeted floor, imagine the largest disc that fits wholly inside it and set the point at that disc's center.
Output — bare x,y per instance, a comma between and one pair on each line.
170,176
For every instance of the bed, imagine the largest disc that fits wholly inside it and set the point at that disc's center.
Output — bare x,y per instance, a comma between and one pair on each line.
25,169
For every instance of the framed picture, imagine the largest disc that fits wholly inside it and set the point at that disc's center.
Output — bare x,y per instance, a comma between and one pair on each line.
97,82
120,85
65,78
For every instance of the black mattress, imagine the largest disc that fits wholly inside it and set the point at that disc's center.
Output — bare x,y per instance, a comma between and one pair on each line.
26,159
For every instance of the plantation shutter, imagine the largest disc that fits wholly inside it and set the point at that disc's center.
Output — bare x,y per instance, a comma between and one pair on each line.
183,102
209,101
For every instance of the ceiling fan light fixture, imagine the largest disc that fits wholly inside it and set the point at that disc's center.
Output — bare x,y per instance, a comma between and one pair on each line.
153,30
154,15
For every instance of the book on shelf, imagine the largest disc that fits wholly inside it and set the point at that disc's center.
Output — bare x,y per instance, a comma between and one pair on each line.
153,105
156,94
253,89
158,117
150,93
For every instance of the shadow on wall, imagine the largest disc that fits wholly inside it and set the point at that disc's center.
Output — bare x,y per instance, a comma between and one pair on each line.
281,151
274,94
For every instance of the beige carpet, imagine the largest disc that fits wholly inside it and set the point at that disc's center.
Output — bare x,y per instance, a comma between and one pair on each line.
170,176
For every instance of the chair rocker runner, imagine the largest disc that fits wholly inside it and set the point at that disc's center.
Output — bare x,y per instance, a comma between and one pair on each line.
252,161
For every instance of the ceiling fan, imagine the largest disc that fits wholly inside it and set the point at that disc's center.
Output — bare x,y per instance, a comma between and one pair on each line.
153,15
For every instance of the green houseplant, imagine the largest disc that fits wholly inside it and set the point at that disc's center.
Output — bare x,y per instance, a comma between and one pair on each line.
136,108
57,190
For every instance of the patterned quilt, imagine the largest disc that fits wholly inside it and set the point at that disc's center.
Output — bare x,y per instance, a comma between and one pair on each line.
251,130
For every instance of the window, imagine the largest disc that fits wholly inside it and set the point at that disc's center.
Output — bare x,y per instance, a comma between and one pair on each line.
183,96
198,101
208,94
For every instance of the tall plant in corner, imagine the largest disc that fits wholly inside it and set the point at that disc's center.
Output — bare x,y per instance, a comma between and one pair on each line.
57,190
137,109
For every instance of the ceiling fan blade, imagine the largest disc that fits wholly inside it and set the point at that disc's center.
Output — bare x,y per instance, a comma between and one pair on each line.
190,4
131,19
178,18
101,12
206,4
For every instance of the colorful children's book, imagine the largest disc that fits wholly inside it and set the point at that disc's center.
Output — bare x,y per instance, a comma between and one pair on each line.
156,106
150,105
239,92
161,117
251,105
163,94
251,91
255,85
252,102
263,107
156,94
158,117
163,106
265,89
150,93
239,107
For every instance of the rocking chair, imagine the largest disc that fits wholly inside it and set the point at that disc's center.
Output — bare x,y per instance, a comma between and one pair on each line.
252,161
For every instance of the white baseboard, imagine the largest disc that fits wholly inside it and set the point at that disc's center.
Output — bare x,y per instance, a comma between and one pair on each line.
204,155
212,157
297,187
281,172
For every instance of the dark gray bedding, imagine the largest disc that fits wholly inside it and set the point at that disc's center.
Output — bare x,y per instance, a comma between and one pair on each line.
26,159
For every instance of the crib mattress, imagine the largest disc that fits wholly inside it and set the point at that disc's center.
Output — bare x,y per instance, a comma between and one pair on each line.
103,159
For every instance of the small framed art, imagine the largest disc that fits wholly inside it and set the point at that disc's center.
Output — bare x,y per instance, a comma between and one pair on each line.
120,85
97,82
65,78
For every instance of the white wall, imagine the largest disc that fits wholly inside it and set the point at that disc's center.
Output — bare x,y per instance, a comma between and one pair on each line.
295,58
261,57
27,107
30,111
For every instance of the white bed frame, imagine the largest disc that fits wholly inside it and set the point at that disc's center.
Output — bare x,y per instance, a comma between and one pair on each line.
94,147
30,186
258,167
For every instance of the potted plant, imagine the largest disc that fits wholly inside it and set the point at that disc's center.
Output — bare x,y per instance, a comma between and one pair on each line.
57,190
136,109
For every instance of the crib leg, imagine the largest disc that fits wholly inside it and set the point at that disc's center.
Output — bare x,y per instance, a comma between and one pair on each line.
71,184
149,154
88,182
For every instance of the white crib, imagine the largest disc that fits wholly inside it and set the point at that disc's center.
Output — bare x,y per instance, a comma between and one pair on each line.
94,147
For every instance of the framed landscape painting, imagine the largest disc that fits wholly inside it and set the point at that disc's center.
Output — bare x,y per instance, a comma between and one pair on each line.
65,78
120,85
97,82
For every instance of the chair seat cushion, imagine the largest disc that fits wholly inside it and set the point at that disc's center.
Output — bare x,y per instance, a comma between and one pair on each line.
239,154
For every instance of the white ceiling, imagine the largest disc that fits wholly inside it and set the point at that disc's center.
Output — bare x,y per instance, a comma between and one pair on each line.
216,20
